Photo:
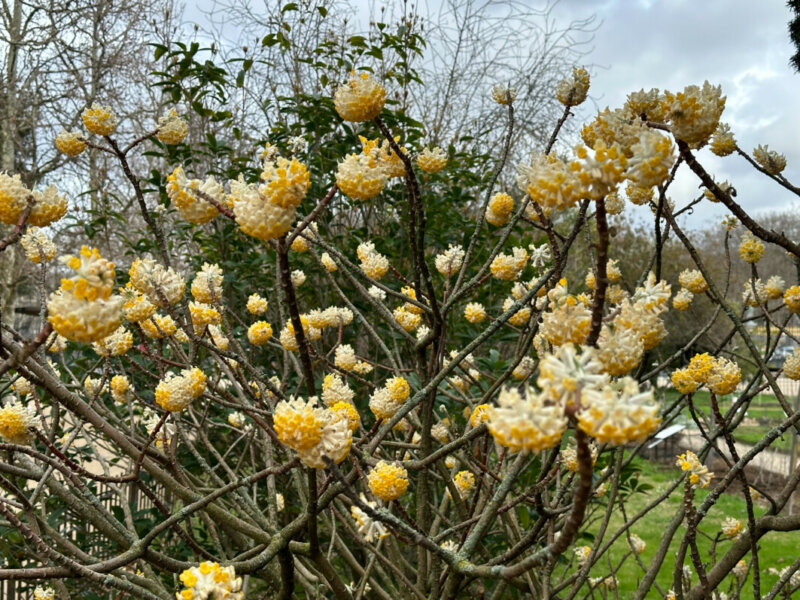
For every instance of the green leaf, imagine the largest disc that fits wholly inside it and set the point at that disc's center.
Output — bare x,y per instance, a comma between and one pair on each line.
240,78
288,7
159,51
322,11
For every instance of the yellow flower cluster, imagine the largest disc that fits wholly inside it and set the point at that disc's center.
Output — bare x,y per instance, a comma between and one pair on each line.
171,128
508,267
387,400
176,392
619,350
600,174
203,315
723,142
682,299
41,593
549,182
121,389
572,91
388,481
209,581
731,528
38,247
480,414
474,312
99,120
791,366
82,309
256,304
526,424
792,299
314,433
371,529
772,162
720,375
569,457
464,482
449,262
651,161
498,211
136,306
163,287
361,176
699,476
391,164
328,262
503,95
693,281
267,211
15,421
373,263
335,390
751,249
182,192
158,326
432,160
567,321
71,143
116,344
48,206
259,333
347,411
360,99
694,113
619,413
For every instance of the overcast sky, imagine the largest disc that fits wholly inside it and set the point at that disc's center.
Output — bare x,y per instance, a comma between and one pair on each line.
742,45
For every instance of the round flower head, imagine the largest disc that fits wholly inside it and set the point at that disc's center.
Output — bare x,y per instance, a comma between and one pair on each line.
550,182
682,299
257,218
70,143
121,389
740,570
725,375
480,414
774,287
259,333
619,351
754,293
182,192
48,206
382,405
176,392
792,299
14,198
615,204
751,249
731,528
39,248
209,581
158,326
163,287
499,209
373,263
432,161
360,176
620,414
299,424
699,475
285,182
171,128
474,312
694,113
684,381
572,91
99,120
334,443
582,554
526,425
348,412
15,421
448,263
509,267
388,481
345,357
791,366
651,160
236,419
360,99
503,94
693,281
83,309
771,161
723,142
371,530
116,344
335,390
41,593
328,262
464,482
256,304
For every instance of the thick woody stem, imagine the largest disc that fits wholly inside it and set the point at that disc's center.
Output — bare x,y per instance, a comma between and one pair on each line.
601,275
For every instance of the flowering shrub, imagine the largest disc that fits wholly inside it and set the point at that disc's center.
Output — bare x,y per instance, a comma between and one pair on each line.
440,414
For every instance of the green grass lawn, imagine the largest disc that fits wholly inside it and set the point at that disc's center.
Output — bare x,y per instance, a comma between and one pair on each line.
776,549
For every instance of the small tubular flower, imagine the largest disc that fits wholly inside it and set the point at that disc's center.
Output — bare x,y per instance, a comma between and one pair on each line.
360,99
388,481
